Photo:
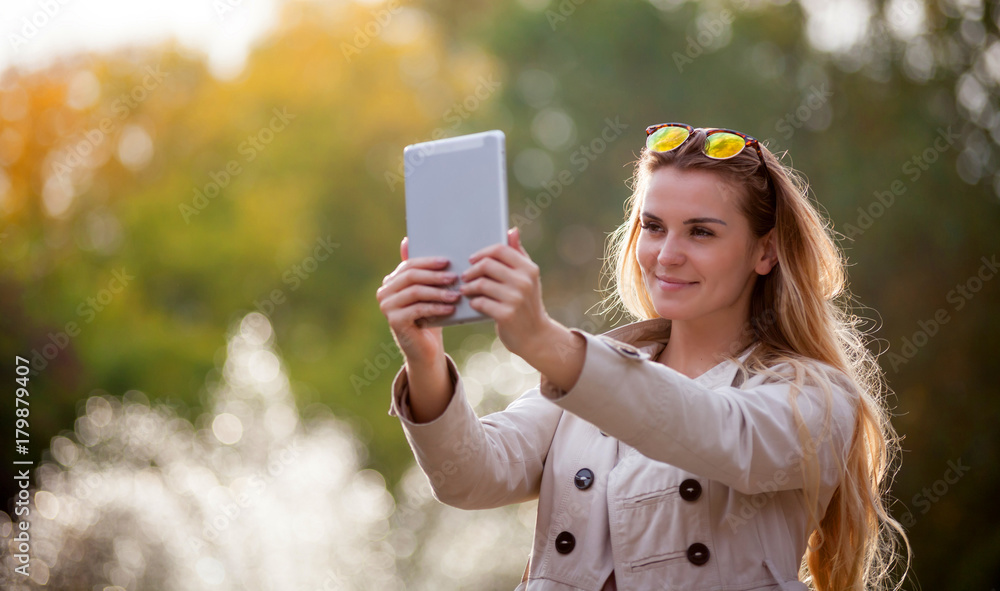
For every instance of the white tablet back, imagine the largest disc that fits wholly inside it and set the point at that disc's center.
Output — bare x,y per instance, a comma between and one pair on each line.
456,204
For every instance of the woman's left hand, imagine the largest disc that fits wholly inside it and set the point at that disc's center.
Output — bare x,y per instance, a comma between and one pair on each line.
504,283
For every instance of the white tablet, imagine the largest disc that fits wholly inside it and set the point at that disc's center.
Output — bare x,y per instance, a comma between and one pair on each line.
456,204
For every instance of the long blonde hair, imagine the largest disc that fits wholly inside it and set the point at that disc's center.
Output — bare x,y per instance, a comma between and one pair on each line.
799,312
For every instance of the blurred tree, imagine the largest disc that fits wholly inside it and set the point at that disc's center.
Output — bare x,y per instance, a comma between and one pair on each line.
146,205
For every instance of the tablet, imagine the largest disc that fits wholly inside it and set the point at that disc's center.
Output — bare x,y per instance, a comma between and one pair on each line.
456,204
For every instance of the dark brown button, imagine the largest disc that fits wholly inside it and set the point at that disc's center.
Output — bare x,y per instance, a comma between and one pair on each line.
565,542
584,478
690,489
697,553
624,348
629,351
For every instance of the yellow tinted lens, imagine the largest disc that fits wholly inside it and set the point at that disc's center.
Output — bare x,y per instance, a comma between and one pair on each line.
724,145
667,138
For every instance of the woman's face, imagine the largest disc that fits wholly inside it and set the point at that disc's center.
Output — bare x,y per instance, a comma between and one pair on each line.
695,247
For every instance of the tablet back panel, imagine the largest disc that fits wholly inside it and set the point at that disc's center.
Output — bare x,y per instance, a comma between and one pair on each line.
456,204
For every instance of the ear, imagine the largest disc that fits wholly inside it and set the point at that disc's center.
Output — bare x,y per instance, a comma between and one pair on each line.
768,257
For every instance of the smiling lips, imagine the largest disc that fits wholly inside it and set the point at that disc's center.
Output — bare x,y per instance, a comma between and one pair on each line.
673,284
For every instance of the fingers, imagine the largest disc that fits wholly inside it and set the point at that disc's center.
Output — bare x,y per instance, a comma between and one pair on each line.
514,239
490,289
410,285
412,315
418,301
502,273
489,273
417,263
406,276
503,263
512,253
491,308
501,277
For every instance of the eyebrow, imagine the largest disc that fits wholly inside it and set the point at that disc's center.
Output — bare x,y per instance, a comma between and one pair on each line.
690,221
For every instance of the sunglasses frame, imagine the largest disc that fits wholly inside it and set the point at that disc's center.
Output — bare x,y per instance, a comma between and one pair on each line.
747,141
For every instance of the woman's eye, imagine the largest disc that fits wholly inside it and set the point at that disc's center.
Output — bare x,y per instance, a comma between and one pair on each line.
696,231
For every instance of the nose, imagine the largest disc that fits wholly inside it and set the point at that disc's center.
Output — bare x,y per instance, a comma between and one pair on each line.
671,252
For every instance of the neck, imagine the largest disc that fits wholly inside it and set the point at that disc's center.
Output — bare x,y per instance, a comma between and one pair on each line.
695,346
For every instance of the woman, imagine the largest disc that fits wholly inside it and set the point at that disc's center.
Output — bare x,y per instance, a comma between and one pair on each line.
734,437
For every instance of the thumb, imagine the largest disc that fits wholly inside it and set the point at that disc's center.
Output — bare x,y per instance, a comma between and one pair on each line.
514,239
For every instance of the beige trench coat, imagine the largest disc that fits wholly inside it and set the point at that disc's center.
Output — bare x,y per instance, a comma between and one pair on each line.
672,482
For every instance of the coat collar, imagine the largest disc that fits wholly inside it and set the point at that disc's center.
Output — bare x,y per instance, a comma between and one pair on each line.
651,336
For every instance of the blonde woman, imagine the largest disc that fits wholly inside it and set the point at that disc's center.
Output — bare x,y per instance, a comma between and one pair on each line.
732,437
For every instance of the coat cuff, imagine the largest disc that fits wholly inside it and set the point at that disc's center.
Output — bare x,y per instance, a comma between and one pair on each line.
399,405
475,463
450,448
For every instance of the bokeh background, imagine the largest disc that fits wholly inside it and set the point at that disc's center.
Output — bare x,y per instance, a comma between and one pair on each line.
200,199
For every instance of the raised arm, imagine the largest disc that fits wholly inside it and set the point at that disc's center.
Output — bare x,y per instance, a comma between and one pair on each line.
475,463
746,438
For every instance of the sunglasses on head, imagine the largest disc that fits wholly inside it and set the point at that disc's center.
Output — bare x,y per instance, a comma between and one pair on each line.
720,144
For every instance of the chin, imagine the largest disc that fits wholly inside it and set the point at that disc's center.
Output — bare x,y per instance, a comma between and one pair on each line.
672,313
672,310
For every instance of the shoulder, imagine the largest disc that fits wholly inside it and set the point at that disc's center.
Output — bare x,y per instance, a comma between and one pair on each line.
816,380
805,371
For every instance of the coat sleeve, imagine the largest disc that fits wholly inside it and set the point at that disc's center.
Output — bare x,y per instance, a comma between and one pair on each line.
746,438
479,463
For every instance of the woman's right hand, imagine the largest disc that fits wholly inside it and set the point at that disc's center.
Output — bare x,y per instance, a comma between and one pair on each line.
417,289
